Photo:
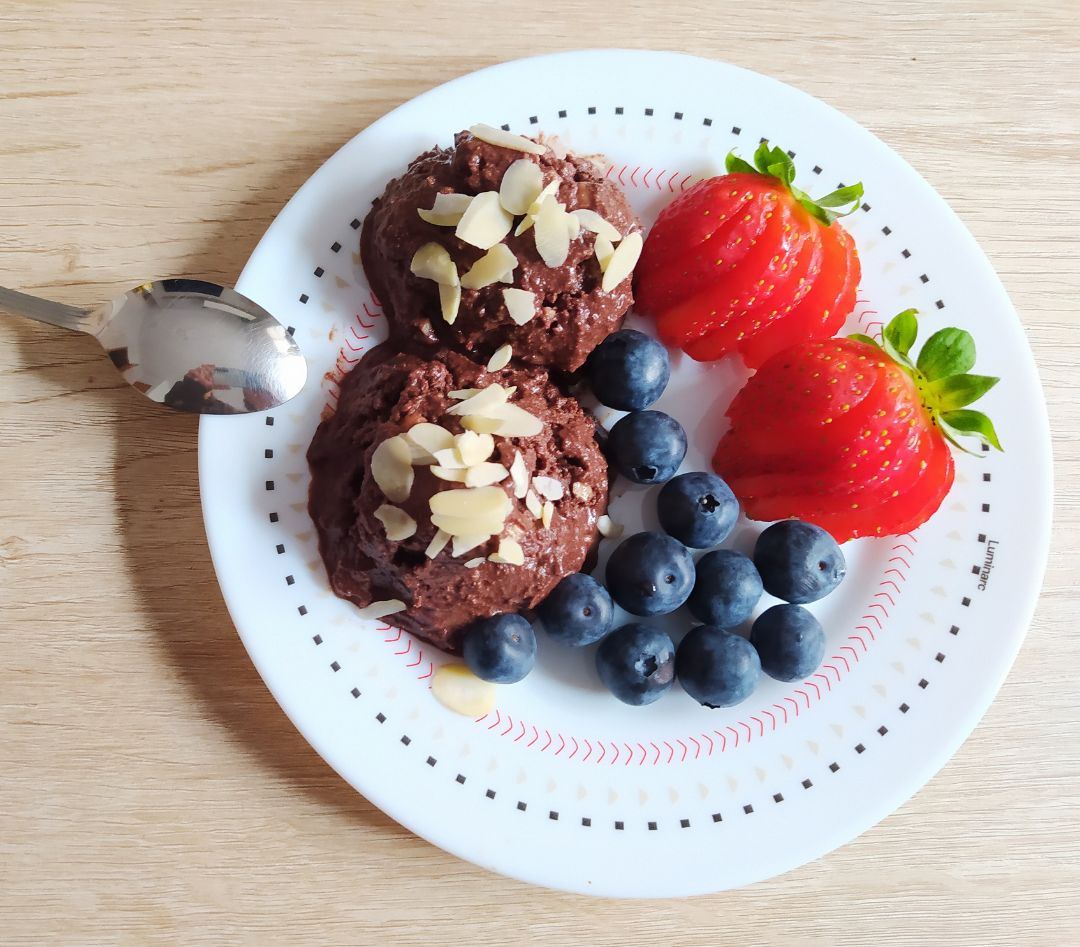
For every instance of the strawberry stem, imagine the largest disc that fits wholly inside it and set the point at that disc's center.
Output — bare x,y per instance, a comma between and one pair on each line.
777,163
941,376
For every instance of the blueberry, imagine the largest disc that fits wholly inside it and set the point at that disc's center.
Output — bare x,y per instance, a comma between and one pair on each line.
799,562
647,446
790,642
500,649
629,370
698,509
726,589
717,668
578,611
636,663
650,574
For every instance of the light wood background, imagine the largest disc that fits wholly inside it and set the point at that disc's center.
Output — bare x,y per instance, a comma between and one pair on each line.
150,788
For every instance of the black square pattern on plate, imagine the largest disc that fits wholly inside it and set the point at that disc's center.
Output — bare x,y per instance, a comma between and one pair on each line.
618,110
905,254
562,113
490,794
652,826
684,823
735,130
706,122
273,517
280,547
553,815
319,271
269,421
302,610
335,667
290,580
619,826
648,112
883,730
904,708
716,817
748,809
431,761
592,110
317,639
335,247
522,807
304,298
940,304
355,692
405,740
355,224
806,784
778,797
833,767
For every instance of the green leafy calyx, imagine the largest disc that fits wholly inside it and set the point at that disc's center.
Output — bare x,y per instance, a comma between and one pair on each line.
941,374
777,163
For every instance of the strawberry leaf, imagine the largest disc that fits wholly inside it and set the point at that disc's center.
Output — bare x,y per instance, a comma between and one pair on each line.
956,391
967,423
947,352
859,337
776,163
736,165
902,331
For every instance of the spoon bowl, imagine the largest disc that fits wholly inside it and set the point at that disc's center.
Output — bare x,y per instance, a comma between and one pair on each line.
188,344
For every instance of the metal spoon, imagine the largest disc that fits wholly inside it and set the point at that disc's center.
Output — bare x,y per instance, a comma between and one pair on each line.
188,344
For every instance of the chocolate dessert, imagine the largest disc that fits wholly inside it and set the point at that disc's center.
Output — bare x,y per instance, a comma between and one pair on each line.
444,492
501,240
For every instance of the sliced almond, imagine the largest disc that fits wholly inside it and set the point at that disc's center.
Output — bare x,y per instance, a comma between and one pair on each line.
608,528
474,448
548,487
500,358
547,514
462,393
396,522
484,399
418,455
450,474
485,474
474,563
604,250
484,222
391,468
430,437
592,221
622,262
447,209
432,261
459,690
462,544
509,553
481,425
520,305
552,233
437,544
505,139
390,606
519,475
492,267
449,459
551,189
573,226
481,502
533,504
468,525
449,302
520,185
514,421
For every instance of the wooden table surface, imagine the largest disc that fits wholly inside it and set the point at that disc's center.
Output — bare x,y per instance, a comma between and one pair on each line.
150,787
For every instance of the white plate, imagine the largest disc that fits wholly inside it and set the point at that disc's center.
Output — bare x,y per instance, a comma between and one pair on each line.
563,785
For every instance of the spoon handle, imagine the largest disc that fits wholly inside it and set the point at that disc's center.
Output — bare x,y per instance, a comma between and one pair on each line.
44,310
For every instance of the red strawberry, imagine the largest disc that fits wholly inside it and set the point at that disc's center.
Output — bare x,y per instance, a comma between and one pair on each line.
748,262
851,435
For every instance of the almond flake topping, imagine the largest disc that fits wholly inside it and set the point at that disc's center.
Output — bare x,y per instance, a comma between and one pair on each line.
391,468
447,209
520,305
497,265
622,262
500,358
520,185
397,523
484,222
505,139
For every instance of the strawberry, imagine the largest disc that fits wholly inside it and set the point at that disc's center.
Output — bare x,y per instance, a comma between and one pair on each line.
851,434
747,262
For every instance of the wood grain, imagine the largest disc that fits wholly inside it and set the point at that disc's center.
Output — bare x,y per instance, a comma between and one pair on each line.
151,789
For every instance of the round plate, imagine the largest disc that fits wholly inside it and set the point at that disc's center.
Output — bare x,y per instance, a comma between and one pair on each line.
562,785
